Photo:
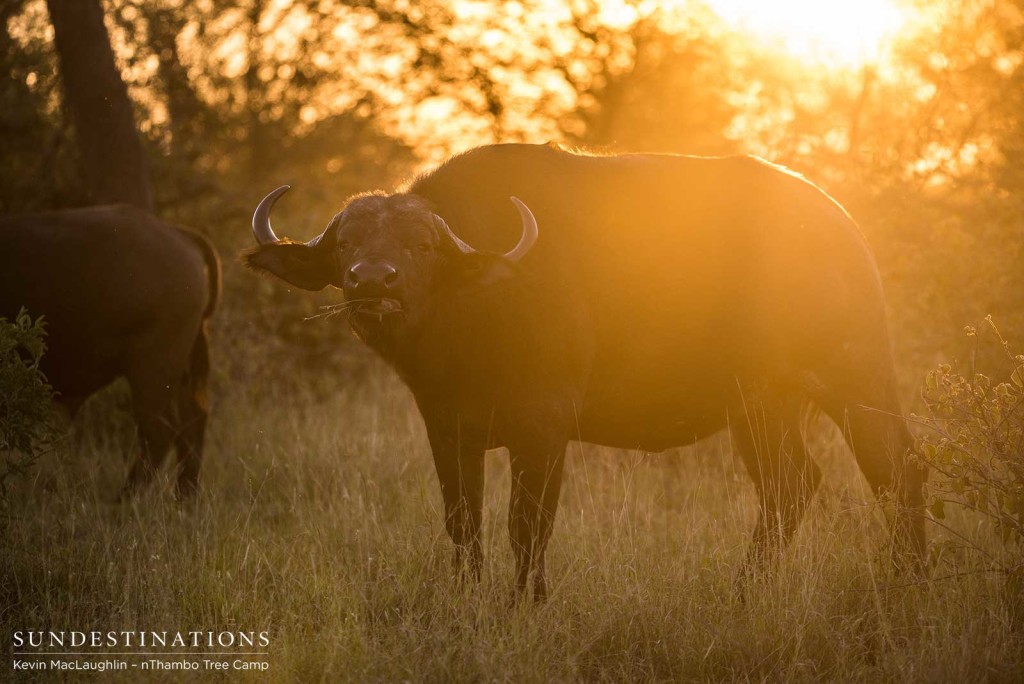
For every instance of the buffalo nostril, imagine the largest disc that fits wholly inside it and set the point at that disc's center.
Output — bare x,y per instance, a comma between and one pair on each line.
372,278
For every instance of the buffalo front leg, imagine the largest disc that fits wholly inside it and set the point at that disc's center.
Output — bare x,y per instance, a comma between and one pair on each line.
460,471
536,483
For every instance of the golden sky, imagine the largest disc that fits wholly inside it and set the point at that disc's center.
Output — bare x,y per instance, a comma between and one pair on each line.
846,33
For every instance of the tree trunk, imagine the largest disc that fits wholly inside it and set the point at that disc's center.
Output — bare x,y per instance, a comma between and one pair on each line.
113,162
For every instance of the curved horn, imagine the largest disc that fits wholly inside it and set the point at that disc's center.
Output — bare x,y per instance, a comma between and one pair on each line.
463,247
529,231
261,229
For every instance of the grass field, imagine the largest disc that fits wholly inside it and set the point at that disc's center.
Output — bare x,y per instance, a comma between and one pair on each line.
319,521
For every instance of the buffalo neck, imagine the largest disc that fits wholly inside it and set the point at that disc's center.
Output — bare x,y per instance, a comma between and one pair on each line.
477,348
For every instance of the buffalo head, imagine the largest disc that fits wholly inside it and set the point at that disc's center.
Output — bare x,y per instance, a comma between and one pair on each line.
390,254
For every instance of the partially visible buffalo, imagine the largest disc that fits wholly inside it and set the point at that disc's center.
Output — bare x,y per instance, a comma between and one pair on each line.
123,294
650,301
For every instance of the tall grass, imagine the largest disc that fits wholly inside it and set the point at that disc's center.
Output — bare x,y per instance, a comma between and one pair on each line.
320,521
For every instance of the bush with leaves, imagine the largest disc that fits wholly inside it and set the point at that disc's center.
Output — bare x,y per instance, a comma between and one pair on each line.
975,449
26,417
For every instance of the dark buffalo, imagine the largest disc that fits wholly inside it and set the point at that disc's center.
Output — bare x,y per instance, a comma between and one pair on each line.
666,298
123,294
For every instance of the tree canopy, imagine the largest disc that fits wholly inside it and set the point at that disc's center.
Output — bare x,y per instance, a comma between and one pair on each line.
923,141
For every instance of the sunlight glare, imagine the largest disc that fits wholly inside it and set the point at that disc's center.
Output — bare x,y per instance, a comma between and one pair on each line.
846,33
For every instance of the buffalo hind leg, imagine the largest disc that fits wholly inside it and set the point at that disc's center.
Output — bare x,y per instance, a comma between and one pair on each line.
766,433
536,483
881,442
192,416
155,416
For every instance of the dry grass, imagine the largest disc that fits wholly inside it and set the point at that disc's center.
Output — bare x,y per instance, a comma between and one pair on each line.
321,523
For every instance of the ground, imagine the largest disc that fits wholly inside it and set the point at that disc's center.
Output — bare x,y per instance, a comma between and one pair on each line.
319,522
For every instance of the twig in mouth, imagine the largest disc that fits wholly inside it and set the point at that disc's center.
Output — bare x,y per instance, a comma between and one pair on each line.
350,305
329,310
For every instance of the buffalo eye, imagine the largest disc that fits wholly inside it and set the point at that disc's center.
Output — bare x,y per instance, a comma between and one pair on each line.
424,248
344,245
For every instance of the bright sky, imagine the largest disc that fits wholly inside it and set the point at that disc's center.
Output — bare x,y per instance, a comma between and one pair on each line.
847,32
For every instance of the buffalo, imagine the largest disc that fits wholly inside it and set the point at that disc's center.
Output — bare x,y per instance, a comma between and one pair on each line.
122,294
530,295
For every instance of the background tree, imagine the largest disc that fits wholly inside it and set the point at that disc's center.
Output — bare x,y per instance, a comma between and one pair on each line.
922,143
112,159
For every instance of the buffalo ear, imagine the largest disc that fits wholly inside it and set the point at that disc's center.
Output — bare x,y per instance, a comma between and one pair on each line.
479,268
293,262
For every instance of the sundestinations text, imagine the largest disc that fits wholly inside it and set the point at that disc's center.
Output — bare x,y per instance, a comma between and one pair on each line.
144,639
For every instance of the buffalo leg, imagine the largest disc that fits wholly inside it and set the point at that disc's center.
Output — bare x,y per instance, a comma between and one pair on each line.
767,436
460,471
192,415
536,483
864,403
881,442
155,416
67,410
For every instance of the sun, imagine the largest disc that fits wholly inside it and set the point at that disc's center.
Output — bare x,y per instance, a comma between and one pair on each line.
844,33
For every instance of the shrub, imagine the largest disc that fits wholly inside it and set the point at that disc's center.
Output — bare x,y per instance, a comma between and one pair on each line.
975,449
26,417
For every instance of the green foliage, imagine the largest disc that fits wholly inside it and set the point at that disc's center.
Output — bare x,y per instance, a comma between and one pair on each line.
976,451
26,427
